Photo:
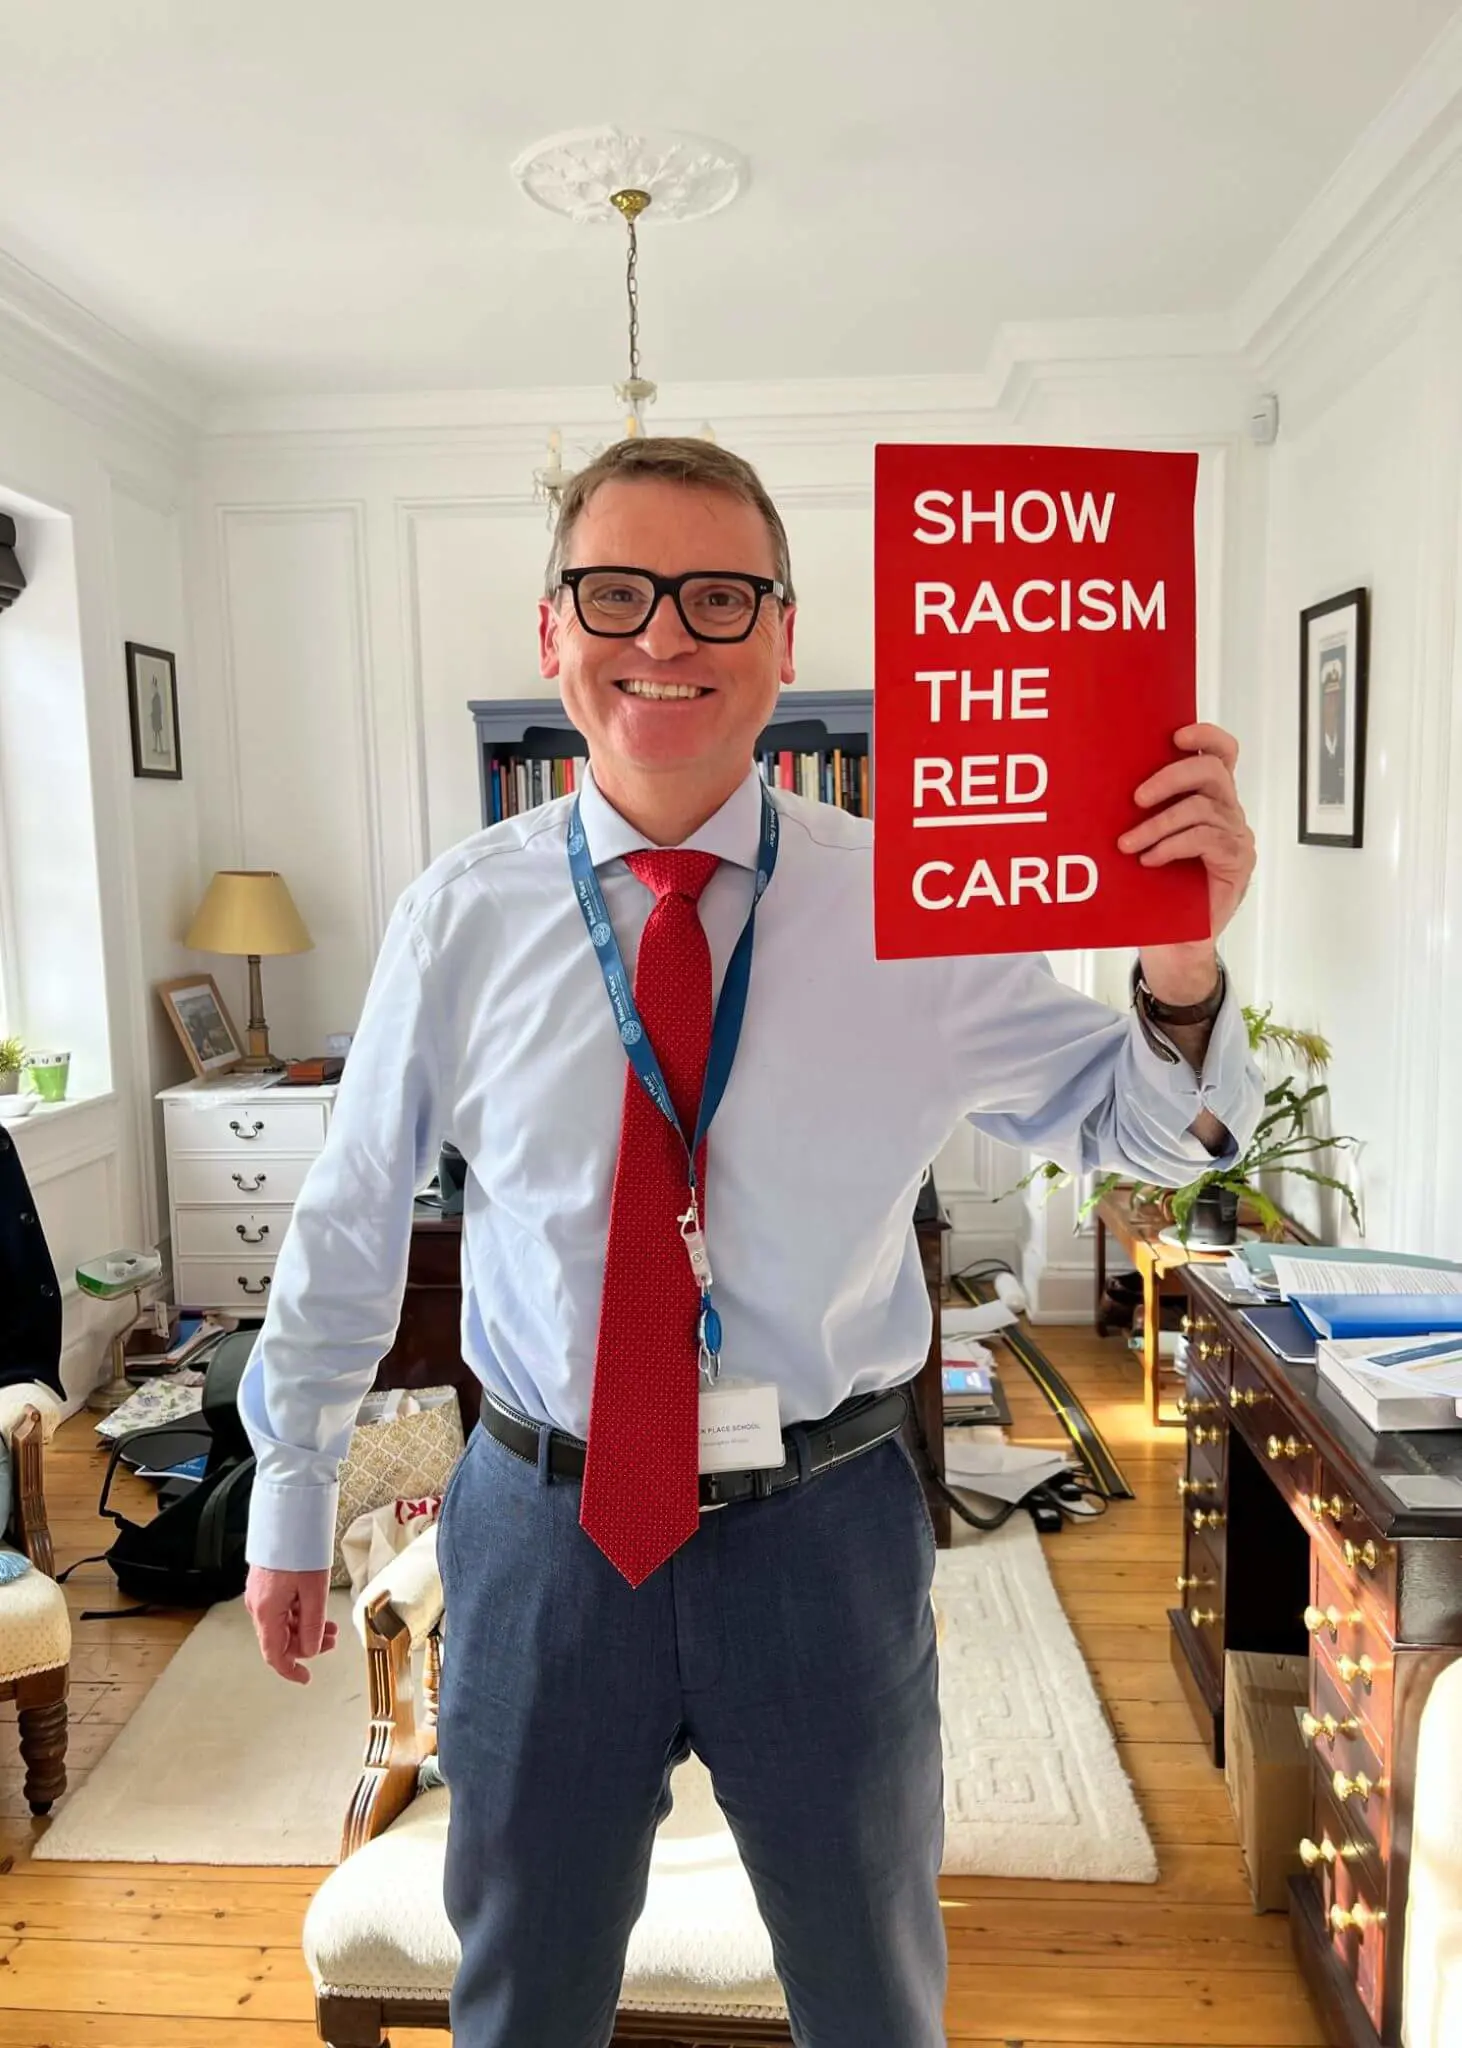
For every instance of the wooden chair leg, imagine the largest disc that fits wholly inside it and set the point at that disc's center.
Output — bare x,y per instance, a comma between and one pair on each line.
40,1710
350,2022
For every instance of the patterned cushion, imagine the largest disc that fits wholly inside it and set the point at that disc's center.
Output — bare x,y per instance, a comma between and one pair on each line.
35,1629
377,1928
412,1455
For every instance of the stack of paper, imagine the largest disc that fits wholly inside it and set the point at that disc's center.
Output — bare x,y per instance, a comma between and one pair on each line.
1396,1386
983,1462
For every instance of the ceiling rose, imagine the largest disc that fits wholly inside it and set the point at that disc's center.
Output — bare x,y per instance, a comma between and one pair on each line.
687,176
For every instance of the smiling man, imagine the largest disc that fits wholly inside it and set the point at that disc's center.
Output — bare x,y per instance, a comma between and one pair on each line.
695,1112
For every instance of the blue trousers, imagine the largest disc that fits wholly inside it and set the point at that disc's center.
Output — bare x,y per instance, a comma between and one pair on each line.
790,1644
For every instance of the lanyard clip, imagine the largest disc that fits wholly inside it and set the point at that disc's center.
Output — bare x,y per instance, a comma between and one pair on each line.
694,1240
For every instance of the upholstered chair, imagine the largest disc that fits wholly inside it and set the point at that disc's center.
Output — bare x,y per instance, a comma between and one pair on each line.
377,1939
35,1629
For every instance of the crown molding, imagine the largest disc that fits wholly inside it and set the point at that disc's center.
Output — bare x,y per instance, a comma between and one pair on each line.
55,347
1405,151
514,422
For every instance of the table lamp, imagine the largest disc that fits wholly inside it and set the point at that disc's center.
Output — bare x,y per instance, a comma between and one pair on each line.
250,912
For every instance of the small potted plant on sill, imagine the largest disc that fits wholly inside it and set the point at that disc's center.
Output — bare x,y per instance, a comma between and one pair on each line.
12,1056
1206,1212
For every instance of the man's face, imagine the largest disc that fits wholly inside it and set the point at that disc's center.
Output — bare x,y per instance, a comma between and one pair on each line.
705,737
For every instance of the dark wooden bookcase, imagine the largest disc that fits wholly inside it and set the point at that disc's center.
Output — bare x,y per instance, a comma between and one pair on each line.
810,721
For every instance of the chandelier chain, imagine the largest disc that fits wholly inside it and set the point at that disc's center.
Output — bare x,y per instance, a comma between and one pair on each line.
632,291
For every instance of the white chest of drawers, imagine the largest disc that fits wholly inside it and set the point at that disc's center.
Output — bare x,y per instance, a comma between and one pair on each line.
237,1155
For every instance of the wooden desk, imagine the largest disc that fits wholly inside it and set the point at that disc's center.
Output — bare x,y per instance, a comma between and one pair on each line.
1137,1231
427,1351
1305,1534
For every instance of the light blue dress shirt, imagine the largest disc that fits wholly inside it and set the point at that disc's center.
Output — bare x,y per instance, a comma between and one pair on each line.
487,1022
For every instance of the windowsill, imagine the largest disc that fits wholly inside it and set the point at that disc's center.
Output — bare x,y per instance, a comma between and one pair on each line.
47,1114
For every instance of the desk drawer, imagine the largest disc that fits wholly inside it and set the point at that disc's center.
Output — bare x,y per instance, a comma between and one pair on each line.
225,1233
225,1283
261,1180
1352,1879
1356,1555
1358,1660
246,1127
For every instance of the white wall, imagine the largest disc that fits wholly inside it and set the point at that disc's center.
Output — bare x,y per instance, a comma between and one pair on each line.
1365,945
96,477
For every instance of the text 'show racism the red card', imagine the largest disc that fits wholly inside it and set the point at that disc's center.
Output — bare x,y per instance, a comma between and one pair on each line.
1034,655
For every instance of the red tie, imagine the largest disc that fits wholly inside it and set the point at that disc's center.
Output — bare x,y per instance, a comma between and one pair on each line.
641,1496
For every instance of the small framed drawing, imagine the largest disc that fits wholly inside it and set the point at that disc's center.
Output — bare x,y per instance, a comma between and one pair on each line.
152,697
196,1011
1333,649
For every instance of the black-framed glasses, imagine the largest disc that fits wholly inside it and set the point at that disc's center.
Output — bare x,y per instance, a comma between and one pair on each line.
714,604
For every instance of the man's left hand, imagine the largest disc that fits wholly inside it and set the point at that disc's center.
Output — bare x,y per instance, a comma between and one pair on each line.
1201,818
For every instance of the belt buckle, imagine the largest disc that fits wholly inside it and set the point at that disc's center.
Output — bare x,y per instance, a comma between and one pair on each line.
711,1507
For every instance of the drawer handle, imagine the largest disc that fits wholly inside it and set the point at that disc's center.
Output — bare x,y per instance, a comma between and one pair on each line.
245,1288
1187,1407
1336,1508
1287,1447
1353,1668
1248,1398
1190,1582
1207,1350
1187,1486
1359,1787
239,1132
1358,1918
1207,1518
1325,1851
1202,1617
1318,1618
249,1187
1366,1557
259,1235
1327,1725
1204,1435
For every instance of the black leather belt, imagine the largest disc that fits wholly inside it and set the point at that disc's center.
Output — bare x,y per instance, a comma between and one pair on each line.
811,1447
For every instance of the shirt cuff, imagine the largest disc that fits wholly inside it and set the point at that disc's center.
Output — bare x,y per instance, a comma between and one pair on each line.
292,1528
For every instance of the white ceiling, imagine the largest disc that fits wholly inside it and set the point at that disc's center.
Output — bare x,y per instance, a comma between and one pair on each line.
311,195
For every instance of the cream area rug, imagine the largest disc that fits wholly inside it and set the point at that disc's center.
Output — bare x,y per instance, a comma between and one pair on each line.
224,1763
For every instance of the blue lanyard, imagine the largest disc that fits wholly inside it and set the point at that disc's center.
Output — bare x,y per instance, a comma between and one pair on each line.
725,1031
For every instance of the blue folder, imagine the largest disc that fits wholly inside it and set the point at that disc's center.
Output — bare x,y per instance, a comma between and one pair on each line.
1379,1315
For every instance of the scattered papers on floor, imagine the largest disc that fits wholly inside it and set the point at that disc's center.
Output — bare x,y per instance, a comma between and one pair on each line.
977,1321
982,1462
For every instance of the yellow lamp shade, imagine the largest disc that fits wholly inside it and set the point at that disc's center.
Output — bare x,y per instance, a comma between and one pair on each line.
248,911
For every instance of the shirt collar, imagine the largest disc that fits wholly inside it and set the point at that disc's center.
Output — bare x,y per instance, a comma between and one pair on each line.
733,833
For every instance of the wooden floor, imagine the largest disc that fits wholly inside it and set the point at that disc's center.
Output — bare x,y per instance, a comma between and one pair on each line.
164,1956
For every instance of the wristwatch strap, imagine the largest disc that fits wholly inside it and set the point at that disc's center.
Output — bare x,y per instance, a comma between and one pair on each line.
1178,1013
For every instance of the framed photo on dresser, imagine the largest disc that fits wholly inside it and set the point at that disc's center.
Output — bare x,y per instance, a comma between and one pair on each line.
1333,682
205,1029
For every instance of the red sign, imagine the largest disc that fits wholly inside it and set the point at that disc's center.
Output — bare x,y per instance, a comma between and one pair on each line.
1034,655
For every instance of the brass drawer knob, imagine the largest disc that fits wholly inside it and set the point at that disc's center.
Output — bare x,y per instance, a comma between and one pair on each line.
1190,1582
1204,1435
1359,1787
1317,1618
1325,1851
1335,1509
1287,1447
1353,1668
1202,1617
1364,1557
1198,1486
1207,1518
1248,1397
1358,1918
1327,1725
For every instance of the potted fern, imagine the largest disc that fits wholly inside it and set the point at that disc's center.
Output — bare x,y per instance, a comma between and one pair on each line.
12,1054
1206,1211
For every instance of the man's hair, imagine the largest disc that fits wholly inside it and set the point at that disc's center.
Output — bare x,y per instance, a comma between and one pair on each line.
670,459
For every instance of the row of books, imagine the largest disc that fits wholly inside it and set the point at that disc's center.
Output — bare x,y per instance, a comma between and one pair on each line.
835,776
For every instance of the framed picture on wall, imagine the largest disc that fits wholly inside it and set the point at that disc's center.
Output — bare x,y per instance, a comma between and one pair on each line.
1333,652
195,1010
152,697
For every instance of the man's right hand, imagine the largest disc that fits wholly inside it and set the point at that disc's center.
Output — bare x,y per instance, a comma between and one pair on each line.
288,1612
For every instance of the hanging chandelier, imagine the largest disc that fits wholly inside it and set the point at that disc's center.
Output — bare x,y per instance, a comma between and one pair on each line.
602,174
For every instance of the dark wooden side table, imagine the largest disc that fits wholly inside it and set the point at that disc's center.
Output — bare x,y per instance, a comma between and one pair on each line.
1138,1232
428,1347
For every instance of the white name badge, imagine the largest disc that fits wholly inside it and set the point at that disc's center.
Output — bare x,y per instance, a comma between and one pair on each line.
741,1428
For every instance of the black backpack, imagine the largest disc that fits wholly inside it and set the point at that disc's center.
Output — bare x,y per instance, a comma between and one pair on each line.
191,1553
